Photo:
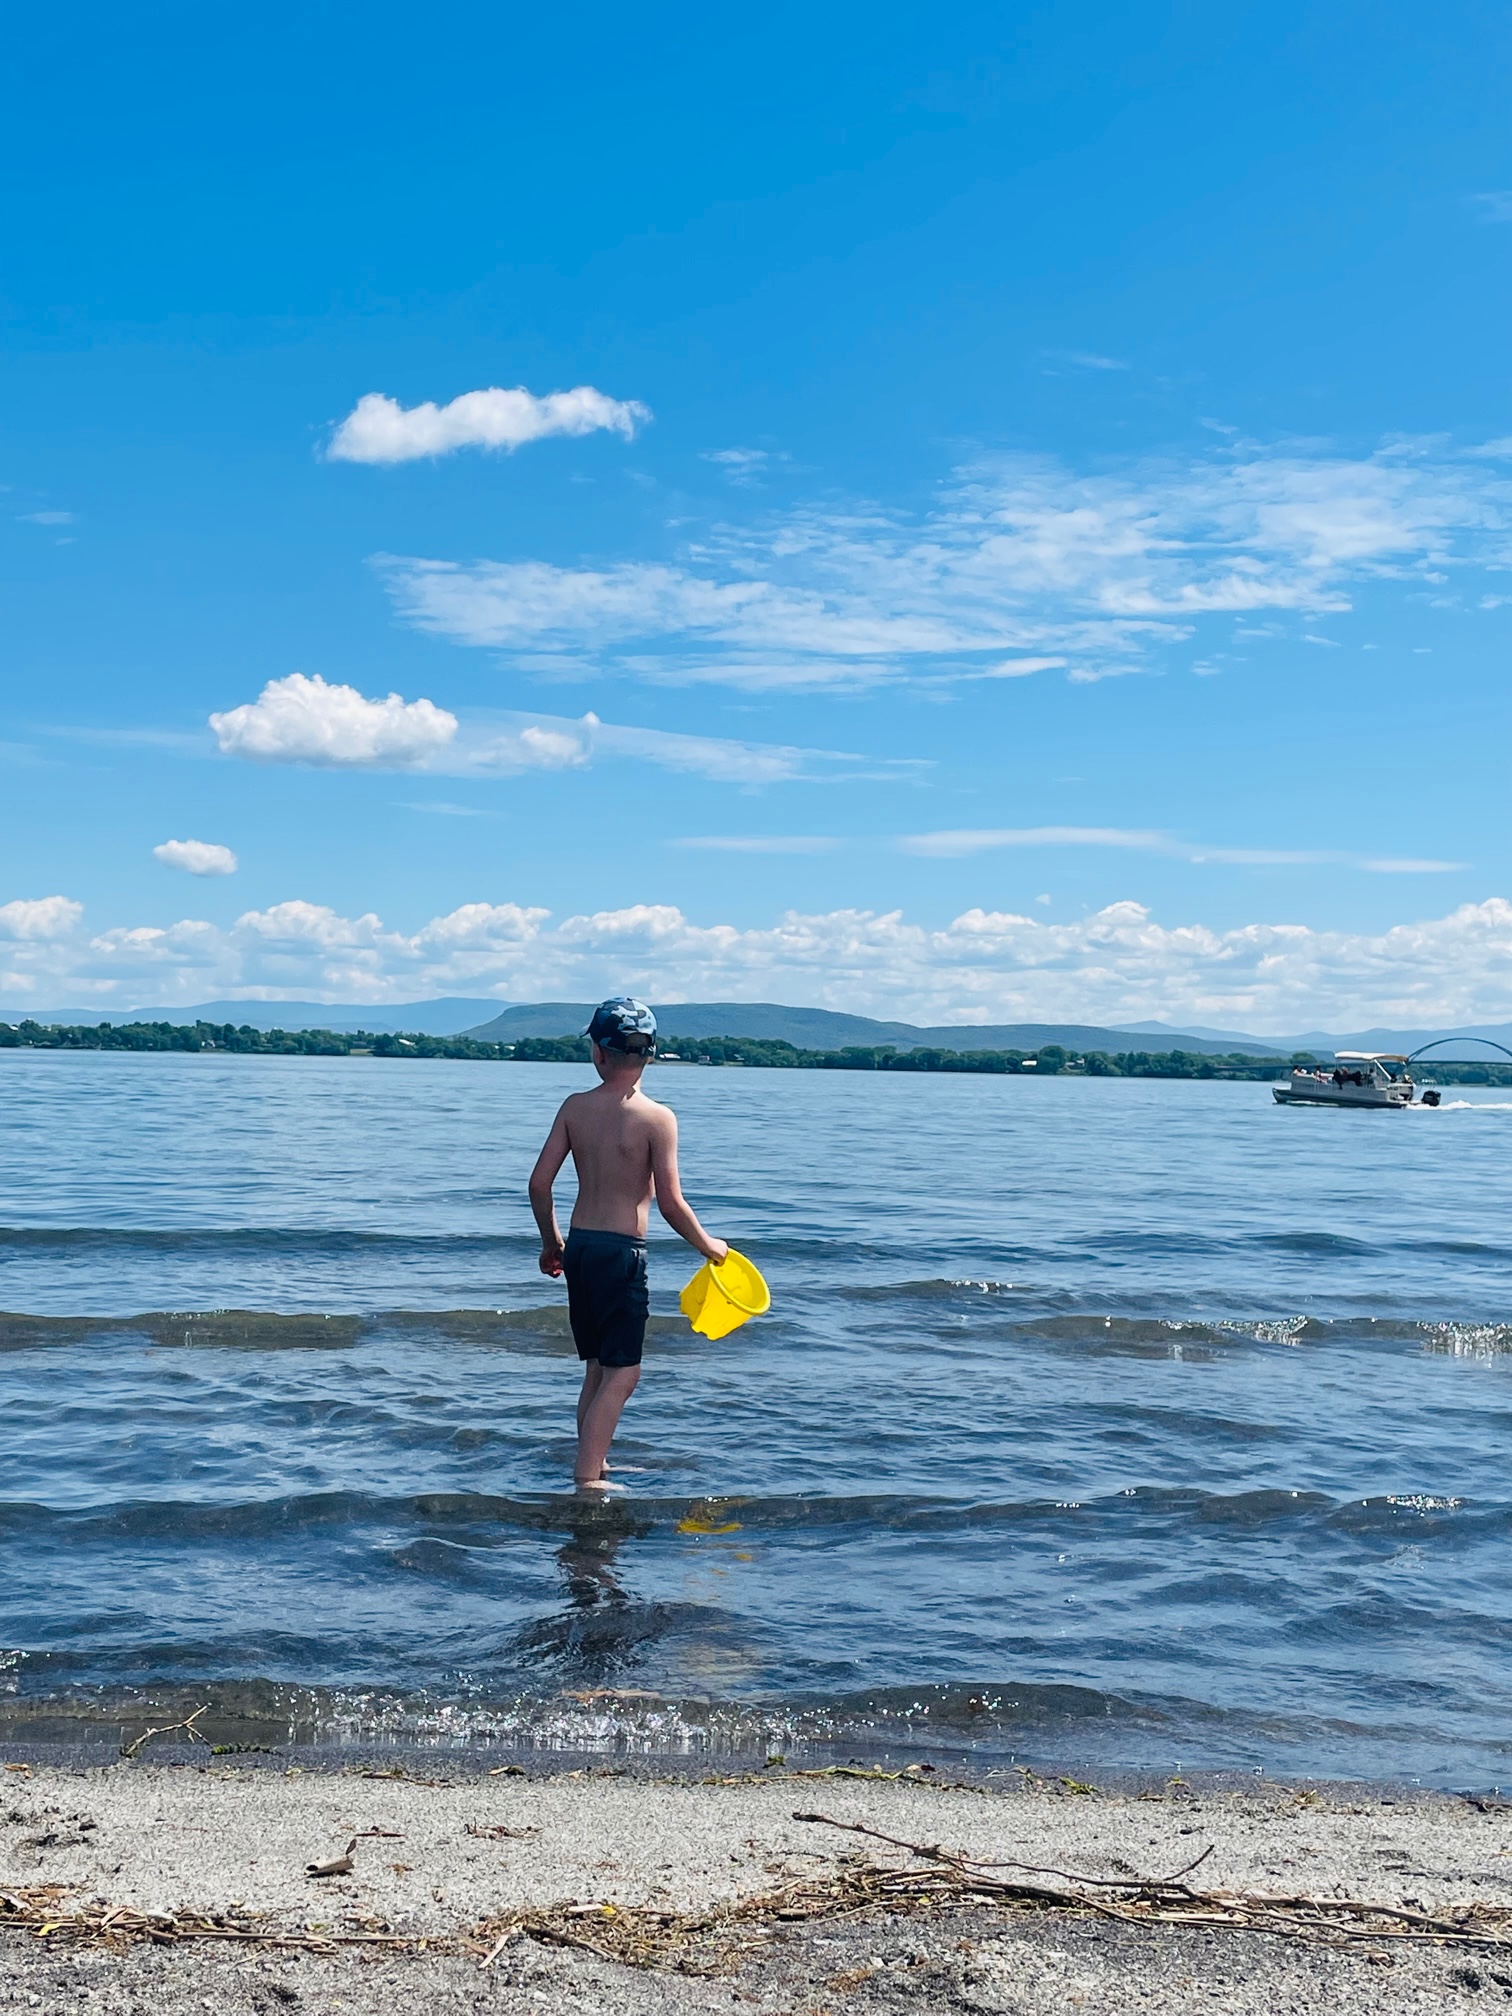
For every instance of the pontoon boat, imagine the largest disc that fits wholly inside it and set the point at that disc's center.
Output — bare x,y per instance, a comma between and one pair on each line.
1372,1078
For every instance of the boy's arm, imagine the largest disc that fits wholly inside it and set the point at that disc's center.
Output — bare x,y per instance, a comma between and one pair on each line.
554,1153
670,1200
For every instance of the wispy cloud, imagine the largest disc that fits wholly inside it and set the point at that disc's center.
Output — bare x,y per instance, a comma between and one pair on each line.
1118,965
1494,205
305,720
47,517
444,808
954,845
741,466
759,843
379,429
1019,559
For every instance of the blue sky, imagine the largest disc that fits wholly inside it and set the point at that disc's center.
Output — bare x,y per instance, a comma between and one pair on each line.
1027,534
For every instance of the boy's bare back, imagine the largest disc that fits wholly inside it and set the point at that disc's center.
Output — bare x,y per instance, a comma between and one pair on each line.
617,1139
624,1148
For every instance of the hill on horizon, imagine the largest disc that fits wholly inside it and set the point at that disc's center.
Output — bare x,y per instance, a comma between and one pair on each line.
446,1016
828,1029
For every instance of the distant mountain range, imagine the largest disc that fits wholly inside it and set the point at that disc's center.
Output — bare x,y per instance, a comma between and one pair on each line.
822,1028
809,1028
1405,1040
818,1028
445,1017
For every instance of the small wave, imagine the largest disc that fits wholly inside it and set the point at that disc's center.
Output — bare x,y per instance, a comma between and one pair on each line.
544,1327
594,1718
471,1518
1468,1340
205,1329
945,1288
291,1241
313,1330
1003,1724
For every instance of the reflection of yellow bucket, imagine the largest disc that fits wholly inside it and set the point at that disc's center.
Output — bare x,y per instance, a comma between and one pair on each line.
719,1299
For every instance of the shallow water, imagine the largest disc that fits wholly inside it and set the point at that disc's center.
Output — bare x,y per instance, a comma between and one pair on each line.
1106,1421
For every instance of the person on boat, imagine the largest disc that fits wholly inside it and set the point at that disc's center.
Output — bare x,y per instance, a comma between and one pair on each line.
624,1148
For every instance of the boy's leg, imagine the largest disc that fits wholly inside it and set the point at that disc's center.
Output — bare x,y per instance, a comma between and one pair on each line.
593,1372
599,1418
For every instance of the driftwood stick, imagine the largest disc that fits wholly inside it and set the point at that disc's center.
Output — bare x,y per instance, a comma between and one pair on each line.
969,1864
168,1729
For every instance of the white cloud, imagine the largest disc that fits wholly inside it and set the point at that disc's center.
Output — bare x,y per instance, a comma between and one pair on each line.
196,857
303,720
34,944
39,917
379,429
1495,205
953,845
47,517
1116,966
1019,555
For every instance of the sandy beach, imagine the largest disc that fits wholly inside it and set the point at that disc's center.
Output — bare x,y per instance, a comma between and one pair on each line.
435,1911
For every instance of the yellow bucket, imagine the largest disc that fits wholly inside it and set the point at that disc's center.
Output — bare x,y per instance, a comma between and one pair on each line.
719,1299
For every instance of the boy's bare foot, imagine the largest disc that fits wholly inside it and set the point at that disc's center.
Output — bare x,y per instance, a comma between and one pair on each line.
596,1484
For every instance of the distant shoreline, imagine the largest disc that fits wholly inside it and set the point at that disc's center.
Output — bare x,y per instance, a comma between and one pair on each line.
1050,1060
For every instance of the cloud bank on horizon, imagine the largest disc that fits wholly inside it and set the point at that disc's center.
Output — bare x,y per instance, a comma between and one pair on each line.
1117,965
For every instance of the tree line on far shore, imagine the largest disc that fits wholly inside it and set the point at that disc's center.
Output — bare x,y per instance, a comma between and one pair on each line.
748,1051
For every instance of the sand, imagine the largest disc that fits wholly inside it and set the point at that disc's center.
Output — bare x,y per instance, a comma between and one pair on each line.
433,1859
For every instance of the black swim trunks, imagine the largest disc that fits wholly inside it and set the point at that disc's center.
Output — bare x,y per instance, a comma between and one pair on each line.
607,1297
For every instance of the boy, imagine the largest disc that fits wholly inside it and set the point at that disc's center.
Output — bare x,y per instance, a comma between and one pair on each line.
624,1148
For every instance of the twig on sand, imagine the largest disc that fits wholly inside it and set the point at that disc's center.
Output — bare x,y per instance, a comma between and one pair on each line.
954,1860
339,1865
168,1729
495,1950
1168,1900
52,1911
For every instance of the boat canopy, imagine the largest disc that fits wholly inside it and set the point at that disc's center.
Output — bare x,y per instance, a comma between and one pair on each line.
1370,1057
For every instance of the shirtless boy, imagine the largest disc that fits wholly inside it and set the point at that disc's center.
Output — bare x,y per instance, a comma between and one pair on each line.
624,1148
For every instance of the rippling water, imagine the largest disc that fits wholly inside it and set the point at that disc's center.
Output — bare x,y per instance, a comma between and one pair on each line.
1104,1421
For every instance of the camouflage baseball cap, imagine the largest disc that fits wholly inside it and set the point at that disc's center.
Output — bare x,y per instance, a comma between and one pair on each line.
625,1025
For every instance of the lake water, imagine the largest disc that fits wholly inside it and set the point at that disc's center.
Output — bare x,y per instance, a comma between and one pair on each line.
1102,1422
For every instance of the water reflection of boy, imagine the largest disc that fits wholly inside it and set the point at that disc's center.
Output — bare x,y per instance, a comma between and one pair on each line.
587,1562
624,1148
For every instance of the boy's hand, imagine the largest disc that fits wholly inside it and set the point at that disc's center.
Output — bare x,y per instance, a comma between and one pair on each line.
716,1250
551,1261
